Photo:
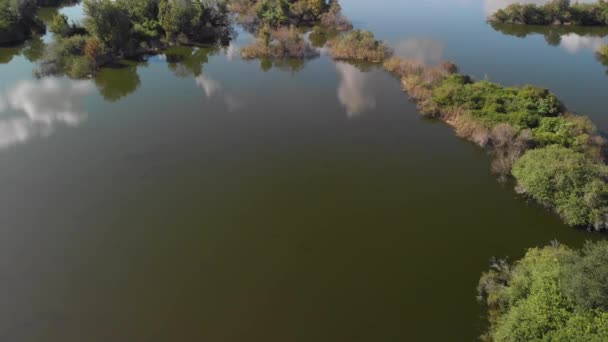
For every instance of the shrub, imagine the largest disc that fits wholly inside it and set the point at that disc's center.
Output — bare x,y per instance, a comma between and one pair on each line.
359,45
80,67
280,43
493,104
334,19
92,49
566,181
531,300
59,25
554,12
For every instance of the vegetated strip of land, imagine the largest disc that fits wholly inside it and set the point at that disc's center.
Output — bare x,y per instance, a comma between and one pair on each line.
555,12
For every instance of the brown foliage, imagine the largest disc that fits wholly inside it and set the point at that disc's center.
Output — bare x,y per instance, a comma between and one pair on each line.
92,49
280,43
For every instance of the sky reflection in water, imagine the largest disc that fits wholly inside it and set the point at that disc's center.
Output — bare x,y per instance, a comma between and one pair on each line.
33,108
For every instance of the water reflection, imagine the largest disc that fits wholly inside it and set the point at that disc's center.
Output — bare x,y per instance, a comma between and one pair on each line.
292,65
572,38
424,50
212,88
187,61
32,50
33,108
119,81
354,92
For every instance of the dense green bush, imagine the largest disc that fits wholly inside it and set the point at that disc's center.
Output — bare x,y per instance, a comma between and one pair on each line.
494,104
568,181
254,14
535,299
554,12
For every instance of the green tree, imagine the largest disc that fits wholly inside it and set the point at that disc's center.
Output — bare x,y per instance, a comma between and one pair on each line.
532,299
109,23
59,25
568,181
177,16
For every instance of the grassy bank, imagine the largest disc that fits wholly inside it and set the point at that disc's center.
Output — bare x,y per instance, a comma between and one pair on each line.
556,157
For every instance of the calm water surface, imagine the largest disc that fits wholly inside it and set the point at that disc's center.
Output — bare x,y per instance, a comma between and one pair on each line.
199,197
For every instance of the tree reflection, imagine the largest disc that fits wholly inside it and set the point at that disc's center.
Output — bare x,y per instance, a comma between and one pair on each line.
187,61
553,34
292,65
571,38
32,50
8,53
118,81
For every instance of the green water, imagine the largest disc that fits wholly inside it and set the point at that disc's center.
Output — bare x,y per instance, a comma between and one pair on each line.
199,197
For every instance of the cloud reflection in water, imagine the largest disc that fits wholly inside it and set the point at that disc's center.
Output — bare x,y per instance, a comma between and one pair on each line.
573,42
424,50
353,91
212,88
38,106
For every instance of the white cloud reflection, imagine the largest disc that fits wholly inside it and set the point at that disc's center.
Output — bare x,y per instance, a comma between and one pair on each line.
212,88
32,108
573,42
424,50
353,91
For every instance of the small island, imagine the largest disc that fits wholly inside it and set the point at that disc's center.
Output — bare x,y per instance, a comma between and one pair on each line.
555,12
557,158
115,30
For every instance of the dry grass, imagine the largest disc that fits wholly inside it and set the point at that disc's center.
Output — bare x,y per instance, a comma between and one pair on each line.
280,43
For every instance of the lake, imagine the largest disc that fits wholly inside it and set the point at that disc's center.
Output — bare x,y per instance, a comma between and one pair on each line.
200,197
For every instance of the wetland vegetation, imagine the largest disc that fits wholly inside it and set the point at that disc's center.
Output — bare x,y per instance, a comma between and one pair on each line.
554,293
557,158
554,12
554,157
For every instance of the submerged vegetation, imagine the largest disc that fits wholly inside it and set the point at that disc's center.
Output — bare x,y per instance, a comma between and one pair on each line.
554,293
556,157
555,12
